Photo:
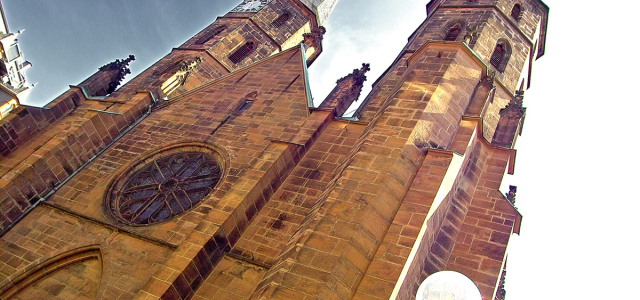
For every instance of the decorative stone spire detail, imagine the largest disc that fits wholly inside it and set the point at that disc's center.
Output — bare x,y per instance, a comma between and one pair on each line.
108,77
511,195
122,68
471,35
502,293
358,75
314,38
514,109
510,122
489,79
187,66
118,64
347,91
313,42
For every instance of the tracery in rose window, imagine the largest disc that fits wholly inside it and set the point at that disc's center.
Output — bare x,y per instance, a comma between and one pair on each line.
165,187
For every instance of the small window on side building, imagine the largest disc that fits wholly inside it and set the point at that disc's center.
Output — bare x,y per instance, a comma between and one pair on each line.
500,56
242,52
516,12
281,20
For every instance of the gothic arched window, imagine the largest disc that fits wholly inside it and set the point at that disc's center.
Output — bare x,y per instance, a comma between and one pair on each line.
242,52
500,55
208,35
516,12
281,20
163,187
453,33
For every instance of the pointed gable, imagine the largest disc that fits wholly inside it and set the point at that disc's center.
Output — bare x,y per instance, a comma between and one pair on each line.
279,95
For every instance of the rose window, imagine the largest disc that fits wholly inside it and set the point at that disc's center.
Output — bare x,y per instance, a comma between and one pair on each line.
164,187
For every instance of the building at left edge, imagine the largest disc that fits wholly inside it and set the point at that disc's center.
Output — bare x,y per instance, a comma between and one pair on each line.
13,82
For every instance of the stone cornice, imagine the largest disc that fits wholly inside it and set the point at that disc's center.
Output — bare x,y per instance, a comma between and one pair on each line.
543,29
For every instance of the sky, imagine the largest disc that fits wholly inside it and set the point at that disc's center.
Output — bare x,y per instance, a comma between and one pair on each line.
576,171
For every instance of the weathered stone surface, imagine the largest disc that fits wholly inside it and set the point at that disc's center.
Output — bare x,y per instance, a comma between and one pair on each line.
309,205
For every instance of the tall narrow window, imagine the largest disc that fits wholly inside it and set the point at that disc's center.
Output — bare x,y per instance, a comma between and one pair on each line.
453,33
210,34
516,12
242,52
497,56
247,101
500,55
244,105
281,20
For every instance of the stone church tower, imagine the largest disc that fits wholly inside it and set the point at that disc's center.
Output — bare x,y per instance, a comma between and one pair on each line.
211,175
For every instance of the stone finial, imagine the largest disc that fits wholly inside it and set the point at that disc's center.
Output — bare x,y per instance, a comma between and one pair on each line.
510,122
122,67
190,65
502,293
519,96
489,79
314,38
358,75
347,91
511,195
118,64
107,78
514,109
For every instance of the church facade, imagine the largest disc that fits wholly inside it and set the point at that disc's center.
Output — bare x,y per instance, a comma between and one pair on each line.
212,175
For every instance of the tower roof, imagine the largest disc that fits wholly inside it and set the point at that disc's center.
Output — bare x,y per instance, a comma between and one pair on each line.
322,8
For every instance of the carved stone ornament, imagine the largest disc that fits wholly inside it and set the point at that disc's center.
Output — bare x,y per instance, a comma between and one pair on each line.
118,64
163,188
501,293
489,79
358,75
187,66
514,109
314,38
511,195
472,33
122,66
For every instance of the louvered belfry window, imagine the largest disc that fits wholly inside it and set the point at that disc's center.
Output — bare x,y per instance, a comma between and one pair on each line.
453,33
498,56
210,34
281,20
242,52
516,12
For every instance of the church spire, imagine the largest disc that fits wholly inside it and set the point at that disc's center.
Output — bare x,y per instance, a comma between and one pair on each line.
322,8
